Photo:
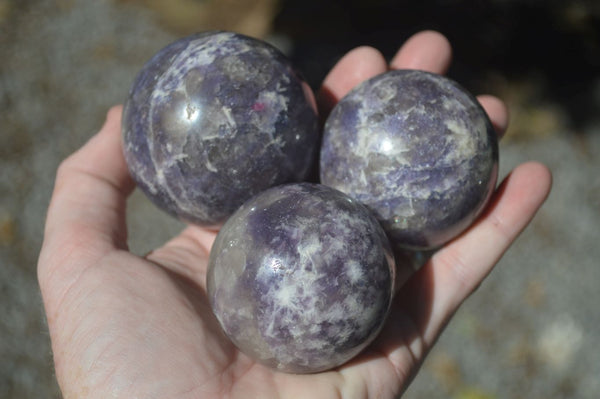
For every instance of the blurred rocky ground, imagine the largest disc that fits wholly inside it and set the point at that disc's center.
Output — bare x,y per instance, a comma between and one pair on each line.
533,328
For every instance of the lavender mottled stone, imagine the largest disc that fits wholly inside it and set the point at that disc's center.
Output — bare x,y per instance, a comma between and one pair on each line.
301,277
214,118
418,150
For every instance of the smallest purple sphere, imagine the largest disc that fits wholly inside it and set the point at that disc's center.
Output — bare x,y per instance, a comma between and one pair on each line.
301,278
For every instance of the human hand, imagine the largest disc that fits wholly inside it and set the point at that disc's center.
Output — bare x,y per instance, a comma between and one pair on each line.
128,326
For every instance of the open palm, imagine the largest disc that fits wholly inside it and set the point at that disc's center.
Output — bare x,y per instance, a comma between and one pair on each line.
131,327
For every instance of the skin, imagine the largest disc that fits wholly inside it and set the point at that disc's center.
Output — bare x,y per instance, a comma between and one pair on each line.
141,327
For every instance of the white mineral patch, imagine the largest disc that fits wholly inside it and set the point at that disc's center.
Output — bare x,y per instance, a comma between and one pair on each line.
354,271
286,296
310,248
462,138
203,51
384,91
228,117
274,100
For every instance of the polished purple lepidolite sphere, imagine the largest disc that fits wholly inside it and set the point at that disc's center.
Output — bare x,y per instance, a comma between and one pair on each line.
418,150
213,119
301,277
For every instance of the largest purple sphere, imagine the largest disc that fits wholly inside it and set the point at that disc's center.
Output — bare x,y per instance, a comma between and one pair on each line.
213,119
417,149
301,277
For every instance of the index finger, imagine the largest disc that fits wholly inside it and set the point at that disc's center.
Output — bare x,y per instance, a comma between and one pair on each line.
87,209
